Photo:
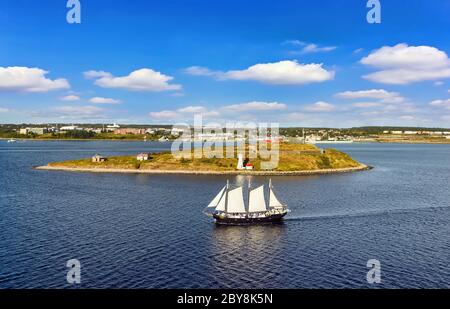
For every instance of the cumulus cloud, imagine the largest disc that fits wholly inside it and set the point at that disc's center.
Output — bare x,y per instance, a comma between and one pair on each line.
255,106
441,103
320,107
70,97
402,64
287,72
29,80
139,80
100,100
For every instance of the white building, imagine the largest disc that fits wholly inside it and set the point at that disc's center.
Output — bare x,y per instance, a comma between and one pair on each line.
69,128
143,157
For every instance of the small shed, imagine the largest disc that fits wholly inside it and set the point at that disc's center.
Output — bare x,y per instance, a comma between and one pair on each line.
98,158
143,157
249,166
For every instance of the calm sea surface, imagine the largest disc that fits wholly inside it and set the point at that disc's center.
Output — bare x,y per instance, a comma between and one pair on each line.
148,231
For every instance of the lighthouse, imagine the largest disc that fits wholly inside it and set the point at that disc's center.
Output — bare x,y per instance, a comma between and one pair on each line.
240,165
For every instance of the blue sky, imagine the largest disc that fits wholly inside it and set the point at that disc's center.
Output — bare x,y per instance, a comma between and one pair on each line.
302,63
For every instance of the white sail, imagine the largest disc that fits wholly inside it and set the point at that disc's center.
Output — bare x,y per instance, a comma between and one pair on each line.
221,204
216,200
257,203
236,201
273,201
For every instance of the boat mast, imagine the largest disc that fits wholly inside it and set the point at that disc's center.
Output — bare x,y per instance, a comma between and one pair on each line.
270,189
249,188
226,196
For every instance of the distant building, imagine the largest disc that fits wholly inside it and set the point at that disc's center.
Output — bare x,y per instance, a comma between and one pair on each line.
38,131
397,132
143,157
249,166
98,158
411,132
124,131
70,128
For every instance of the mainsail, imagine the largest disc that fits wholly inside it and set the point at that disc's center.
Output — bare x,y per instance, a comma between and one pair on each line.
216,200
235,203
257,202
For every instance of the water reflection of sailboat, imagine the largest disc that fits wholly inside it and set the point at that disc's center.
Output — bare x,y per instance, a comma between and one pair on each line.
229,206
247,254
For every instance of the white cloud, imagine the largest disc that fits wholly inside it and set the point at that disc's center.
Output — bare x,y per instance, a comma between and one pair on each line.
255,106
295,42
100,100
192,109
199,71
320,107
70,97
3,110
164,115
314,48
308,47
286,72
366,104
139,80
441,103
381,94
402,64
29,80
96,74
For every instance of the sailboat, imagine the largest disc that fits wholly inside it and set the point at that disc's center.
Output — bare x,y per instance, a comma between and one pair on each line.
228,206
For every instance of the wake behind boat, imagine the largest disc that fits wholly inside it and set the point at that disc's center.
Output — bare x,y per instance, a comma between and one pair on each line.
229,206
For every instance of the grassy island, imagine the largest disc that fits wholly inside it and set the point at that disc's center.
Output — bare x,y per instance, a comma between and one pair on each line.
294,159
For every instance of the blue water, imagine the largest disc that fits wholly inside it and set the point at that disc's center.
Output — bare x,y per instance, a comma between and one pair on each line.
148,231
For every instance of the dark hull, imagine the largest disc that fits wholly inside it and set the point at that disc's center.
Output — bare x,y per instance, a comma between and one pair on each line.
248,221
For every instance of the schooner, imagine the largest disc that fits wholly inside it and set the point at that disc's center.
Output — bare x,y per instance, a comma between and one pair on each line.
229,206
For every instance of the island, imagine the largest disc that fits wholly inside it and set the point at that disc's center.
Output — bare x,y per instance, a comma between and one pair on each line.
295,159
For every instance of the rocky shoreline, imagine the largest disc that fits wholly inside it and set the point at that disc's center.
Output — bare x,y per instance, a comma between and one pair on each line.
362,167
